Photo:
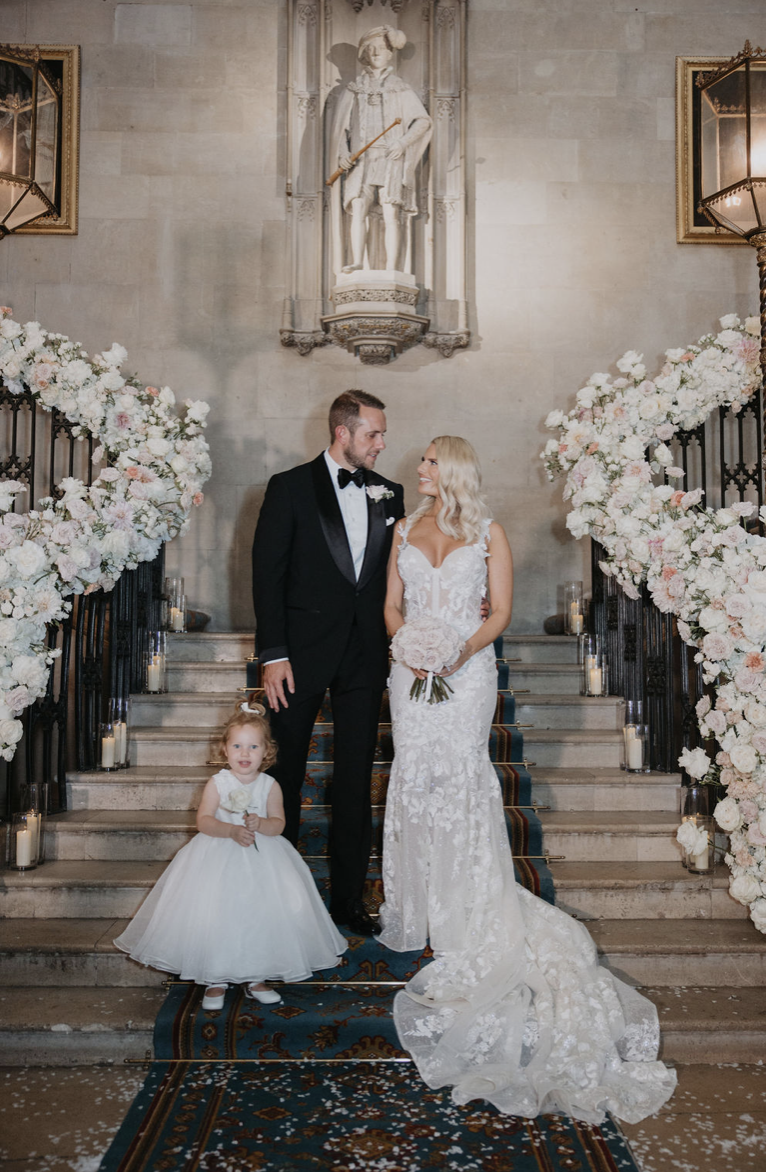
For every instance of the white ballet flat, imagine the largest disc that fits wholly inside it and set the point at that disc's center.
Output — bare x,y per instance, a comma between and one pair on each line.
214,1002
265,996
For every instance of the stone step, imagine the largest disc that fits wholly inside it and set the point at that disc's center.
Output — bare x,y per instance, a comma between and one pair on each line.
544,678
609,836
553,649
196,745
69,1026
711,1025
205,708
692,952
70,952
645,891
77,889
211,646
171,787
148,787
605,789
203,676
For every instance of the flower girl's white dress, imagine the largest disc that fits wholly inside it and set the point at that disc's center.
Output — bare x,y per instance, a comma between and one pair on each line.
222,912
515,1008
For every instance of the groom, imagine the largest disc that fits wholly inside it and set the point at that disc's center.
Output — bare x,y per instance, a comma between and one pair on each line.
319,582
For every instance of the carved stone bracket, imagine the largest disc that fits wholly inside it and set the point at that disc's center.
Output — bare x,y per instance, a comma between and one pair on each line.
304,341
447,344
375,340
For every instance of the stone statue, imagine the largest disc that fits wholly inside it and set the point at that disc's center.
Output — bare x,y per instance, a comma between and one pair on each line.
386,172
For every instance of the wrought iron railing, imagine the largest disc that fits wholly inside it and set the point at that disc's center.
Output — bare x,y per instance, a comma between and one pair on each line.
647,658
103,640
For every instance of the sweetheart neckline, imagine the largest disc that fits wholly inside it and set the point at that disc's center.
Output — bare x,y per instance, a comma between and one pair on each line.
411,545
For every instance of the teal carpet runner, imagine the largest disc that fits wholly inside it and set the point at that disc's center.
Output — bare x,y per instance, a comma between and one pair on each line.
320,1081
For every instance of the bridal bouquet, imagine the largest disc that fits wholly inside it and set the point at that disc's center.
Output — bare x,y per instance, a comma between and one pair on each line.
432,645
238,802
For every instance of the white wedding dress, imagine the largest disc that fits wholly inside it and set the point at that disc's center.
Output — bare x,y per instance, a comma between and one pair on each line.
515,1007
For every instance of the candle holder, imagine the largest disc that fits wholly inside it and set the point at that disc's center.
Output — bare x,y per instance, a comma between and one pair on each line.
574,611
636,748
107,743
118,716
176,605
34,802
155,663
702,862
697,802
592,667
24,838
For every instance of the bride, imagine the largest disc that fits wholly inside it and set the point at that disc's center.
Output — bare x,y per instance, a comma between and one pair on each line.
515,1007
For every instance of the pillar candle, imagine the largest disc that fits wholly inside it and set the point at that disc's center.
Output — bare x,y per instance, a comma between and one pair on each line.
701,861
176,618
634,749
153,674
120,742
33,828
23,848
594,681
107,752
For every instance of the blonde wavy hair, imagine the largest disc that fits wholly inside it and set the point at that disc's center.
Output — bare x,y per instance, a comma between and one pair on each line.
463,508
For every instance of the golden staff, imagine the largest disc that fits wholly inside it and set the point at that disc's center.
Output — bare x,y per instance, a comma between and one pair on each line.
358,154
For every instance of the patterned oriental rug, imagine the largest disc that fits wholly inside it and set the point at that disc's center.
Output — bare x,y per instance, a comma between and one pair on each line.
320,1081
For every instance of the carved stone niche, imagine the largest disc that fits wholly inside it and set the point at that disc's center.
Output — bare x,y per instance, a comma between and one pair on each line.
381,282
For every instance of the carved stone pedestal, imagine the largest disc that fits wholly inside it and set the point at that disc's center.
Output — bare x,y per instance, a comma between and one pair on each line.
375,316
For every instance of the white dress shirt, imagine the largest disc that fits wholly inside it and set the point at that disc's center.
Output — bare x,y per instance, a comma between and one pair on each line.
353,510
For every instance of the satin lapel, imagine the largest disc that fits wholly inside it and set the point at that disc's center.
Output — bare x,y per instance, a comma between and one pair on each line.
331,520
376,537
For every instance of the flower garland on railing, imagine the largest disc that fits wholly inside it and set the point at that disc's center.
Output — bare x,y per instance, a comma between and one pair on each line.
156,465
700,564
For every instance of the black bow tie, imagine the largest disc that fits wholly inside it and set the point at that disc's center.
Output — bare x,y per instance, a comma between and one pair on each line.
345,477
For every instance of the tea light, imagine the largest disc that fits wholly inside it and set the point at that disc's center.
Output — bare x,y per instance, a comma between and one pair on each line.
108,747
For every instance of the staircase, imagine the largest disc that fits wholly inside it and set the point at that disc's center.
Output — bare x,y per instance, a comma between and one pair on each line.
67,995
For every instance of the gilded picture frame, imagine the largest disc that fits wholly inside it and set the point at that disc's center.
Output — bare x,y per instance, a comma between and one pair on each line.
64,61
692,227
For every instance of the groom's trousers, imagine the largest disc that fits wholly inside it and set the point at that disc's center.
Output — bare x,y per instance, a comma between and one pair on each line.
356,711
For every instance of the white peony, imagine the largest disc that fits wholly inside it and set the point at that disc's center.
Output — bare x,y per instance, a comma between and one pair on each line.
10,732
29,558
758,914
744,758
695,761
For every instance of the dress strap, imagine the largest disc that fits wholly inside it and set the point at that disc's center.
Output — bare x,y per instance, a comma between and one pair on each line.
403,529
483,542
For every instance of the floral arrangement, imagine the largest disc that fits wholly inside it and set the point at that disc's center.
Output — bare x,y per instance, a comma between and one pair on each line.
431,645
154,466
700,564
240,801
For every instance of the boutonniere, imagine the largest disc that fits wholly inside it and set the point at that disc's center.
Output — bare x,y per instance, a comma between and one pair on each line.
379,492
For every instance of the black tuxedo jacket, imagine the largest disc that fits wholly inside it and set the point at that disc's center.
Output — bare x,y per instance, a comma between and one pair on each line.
305,592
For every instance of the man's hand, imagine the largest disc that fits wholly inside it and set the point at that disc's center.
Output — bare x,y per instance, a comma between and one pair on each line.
395,152
275,676
345,162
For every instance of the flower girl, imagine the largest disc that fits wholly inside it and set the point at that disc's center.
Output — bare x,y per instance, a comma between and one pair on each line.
237,904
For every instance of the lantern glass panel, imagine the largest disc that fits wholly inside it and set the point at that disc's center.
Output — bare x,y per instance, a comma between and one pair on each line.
16,92
46,137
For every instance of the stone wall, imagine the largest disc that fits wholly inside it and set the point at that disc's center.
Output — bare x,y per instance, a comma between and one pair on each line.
572,256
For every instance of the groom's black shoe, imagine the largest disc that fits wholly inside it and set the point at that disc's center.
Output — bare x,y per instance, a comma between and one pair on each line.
355,916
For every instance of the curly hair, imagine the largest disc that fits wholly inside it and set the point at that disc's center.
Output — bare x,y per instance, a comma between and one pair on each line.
251,714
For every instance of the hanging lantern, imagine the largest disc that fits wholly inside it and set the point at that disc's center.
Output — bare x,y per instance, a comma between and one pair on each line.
30,135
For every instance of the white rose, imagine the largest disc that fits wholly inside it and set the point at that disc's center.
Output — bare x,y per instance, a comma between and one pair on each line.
158,447
663,455
743,758
29,558
178,464
713,620
553,419
727,815
744,889
729,321
692,838
167,396
632,448
10,732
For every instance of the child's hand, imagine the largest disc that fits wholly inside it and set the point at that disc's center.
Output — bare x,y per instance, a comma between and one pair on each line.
252,821
242,835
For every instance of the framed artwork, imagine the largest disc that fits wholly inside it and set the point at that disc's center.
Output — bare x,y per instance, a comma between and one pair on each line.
63,62
692,226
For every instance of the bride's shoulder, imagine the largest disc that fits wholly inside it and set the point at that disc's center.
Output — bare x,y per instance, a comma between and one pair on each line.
496,537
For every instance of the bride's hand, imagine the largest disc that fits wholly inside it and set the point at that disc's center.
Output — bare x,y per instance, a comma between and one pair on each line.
464,655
